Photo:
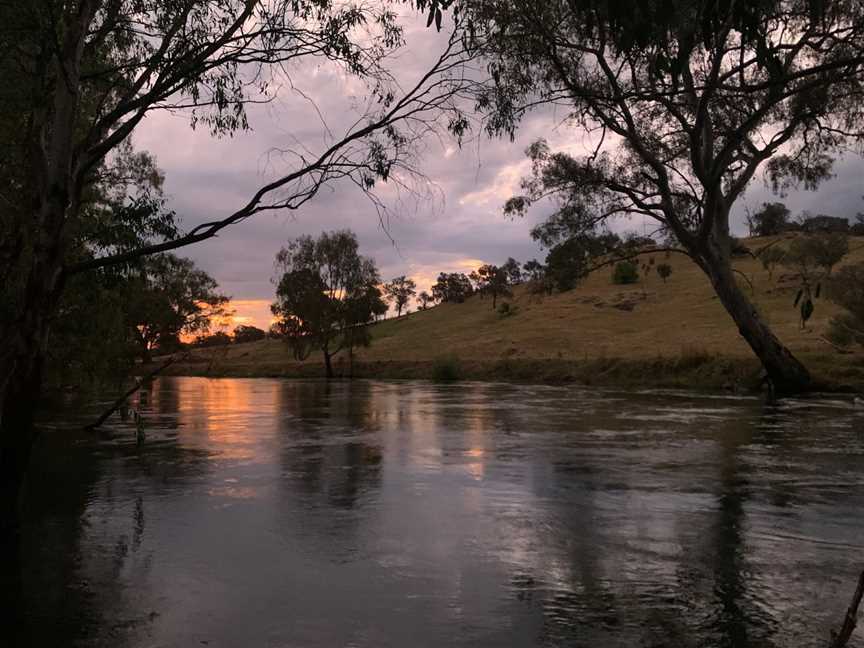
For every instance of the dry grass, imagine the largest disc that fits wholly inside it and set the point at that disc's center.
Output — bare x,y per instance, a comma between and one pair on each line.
679,325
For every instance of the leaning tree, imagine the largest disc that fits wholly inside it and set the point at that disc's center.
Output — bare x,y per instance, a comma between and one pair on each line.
686,100
80,76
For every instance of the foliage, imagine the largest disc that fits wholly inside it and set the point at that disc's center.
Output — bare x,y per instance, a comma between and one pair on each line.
770,257
506,309
248,333
533,270
170,297
689,100
217,339
664,271
453,287
570,260
424,300
399,292
513,271
446,368
771,220
625,272
324,291
491,280
812,258
846,289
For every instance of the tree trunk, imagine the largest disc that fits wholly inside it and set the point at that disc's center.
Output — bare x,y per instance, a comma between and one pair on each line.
786,373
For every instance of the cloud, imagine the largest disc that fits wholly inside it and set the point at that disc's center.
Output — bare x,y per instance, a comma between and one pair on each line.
460,223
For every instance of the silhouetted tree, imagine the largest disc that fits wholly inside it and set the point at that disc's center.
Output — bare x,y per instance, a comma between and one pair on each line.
513,271
771,220
664,271
491,280
424,300
248,333
217,339
534,270
169,297
452,287
399,292
325,288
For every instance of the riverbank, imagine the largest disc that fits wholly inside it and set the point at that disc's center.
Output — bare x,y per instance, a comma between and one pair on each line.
688,371
647,334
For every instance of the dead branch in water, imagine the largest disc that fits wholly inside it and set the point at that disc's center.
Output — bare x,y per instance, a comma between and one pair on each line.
840,639
138,384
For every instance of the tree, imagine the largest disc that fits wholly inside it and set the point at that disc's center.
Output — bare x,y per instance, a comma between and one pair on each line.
625,272
771,220
770,257
828,249
248,333
325,288
664,271
846,289
170,297
687,101
424,300
79,77
812,258
399,292
209,340
534,270
453,287
491,280
513,271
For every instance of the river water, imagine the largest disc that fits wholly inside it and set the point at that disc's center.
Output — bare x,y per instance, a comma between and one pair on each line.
271,513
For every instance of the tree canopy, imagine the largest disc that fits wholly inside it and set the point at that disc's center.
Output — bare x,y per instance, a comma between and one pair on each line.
324,291
685,102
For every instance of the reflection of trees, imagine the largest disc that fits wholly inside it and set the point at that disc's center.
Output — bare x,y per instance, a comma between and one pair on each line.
85,521
324,453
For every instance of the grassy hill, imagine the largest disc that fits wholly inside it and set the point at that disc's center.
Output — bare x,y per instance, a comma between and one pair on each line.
649,333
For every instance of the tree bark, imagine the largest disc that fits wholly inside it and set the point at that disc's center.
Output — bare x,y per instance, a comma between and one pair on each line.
785,372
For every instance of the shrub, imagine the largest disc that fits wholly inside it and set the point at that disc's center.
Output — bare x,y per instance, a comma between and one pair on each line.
506,309
846,289
664,270
625,272
770,257
446,369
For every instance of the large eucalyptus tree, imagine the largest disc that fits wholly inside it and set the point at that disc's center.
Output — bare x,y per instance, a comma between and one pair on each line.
687,101
79,76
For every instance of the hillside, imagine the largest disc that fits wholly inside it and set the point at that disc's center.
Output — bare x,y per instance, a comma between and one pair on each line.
672,334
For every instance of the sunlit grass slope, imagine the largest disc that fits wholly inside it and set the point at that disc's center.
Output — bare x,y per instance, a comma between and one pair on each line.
649,332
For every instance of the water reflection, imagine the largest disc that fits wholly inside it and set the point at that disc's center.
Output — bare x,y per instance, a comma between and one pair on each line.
289,513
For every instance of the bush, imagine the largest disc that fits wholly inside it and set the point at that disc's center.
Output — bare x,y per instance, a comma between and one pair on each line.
664,270
625,272
446,369
846,289
506,310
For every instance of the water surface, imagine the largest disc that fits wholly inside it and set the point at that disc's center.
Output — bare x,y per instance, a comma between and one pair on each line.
271,513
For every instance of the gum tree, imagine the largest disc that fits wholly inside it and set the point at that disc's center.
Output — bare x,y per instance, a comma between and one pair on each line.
81,76
687,101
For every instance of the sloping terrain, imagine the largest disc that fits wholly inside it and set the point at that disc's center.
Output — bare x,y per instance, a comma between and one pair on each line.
665,329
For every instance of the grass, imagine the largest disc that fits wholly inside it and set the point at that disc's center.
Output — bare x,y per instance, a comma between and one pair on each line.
651,333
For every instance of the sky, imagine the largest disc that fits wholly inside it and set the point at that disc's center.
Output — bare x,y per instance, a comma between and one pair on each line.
457,226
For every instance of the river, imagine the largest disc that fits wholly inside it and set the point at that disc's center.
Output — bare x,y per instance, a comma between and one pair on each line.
280,513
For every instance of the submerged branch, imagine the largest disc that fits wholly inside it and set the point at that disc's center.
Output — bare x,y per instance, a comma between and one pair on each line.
117,404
